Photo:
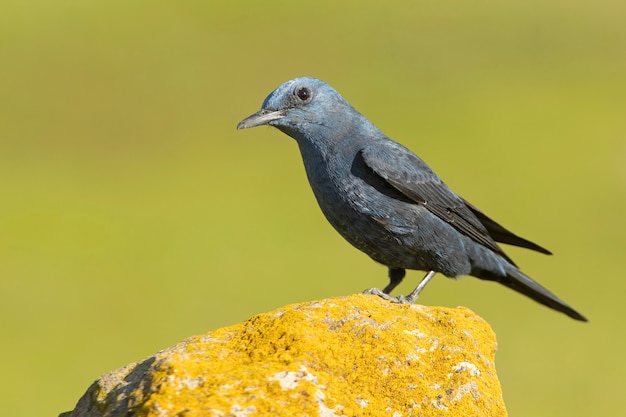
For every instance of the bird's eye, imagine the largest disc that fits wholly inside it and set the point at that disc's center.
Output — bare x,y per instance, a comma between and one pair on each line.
303,93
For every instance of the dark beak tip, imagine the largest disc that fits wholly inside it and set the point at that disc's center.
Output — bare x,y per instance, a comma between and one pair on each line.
260,118
250,121
246,123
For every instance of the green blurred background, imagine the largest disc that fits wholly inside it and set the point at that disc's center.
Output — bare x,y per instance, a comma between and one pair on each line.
133,214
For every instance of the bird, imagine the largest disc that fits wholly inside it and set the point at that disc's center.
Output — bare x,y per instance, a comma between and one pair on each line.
387,202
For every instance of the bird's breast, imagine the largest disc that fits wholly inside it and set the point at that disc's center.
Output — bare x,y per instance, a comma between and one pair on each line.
364,210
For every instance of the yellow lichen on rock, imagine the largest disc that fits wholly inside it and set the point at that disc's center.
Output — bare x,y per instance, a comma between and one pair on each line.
356,356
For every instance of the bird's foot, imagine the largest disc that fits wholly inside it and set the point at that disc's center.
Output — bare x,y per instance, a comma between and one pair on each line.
401,299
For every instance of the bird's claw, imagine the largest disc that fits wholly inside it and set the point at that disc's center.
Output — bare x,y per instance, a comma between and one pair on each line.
401,299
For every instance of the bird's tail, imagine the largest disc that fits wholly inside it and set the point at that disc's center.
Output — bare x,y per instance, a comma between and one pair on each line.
521,283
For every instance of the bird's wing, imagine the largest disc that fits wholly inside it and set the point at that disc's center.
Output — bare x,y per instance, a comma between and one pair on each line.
407,173
501,234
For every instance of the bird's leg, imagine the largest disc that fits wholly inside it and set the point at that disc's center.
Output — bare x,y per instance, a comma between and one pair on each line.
401,299
410,299
395,277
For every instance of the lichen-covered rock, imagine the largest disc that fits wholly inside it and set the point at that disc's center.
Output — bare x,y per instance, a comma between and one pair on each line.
355,356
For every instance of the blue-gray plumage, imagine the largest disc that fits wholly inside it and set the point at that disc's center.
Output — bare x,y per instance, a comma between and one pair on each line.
384,200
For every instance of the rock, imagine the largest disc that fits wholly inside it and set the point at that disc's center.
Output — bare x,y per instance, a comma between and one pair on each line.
355,356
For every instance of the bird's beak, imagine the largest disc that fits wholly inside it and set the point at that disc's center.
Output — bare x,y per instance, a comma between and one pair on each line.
262,117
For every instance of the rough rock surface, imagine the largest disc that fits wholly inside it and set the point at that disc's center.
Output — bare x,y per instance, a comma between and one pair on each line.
355,356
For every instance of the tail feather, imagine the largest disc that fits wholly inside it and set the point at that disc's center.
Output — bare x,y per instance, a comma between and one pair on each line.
523,284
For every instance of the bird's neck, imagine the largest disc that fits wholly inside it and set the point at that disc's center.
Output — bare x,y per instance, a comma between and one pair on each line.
330,152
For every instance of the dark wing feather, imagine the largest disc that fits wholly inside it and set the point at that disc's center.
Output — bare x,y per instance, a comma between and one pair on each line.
500,234
407,173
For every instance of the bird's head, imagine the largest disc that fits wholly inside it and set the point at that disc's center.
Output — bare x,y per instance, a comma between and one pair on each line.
301,107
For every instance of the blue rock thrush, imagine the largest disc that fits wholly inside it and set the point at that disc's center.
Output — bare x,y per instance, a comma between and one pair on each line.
384,200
